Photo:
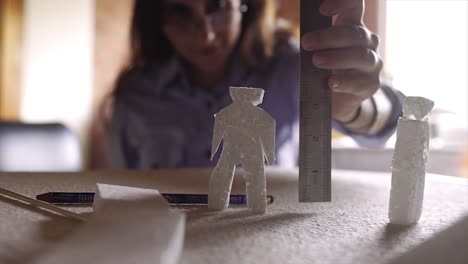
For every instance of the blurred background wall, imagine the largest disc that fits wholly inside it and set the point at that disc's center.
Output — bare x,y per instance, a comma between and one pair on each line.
59,59
57,54
112,24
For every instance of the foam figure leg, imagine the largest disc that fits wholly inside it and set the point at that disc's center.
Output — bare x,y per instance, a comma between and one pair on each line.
220,183
256,186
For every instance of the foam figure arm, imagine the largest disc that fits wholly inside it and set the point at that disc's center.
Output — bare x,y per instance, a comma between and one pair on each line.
268,138
218,132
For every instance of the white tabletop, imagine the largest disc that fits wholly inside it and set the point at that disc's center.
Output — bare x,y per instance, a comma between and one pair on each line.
353,228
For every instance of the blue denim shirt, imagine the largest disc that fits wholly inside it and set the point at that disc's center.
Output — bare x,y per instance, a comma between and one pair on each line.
160,120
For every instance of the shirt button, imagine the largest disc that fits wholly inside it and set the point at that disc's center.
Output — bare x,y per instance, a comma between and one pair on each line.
208,153
208,104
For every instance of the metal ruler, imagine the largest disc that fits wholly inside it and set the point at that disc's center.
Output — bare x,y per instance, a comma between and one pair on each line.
315,115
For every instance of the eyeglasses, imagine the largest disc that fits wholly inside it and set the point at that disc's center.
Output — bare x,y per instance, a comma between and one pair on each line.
218,14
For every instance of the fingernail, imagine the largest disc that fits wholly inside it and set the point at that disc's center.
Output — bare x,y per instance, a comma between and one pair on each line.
334,83
310,41
319,59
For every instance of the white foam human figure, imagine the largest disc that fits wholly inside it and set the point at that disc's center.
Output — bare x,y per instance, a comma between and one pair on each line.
409,162
248,134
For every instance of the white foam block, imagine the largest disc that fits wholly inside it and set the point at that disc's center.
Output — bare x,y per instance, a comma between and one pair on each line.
408,164
248,134
116,199
130,225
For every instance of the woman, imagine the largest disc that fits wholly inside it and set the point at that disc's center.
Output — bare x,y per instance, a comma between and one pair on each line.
186,53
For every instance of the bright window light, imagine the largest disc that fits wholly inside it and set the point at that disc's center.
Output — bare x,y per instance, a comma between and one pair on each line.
58,62
427,53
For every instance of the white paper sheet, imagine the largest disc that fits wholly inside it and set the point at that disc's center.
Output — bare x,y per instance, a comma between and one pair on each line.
129,225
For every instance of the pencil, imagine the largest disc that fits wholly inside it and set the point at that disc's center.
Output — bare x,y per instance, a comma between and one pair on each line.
87,198
40,204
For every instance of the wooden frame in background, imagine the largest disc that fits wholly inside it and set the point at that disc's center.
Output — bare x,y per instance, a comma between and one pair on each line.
11,28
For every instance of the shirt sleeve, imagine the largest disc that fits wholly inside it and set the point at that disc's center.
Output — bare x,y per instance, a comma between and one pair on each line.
378,140
122,153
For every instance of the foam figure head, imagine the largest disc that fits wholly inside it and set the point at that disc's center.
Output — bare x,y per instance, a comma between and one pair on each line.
416,107
247,94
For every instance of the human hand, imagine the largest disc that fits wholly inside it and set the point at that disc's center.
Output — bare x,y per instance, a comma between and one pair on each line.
349,50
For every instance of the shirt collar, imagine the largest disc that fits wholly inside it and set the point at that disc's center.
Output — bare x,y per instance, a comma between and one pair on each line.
172,75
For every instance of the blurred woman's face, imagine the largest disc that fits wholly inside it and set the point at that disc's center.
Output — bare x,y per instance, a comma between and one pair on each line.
203,32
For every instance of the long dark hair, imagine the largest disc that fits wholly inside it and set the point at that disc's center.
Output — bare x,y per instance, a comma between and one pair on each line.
149,46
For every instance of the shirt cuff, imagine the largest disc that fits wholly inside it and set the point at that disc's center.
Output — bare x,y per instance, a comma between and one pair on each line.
382,131
372,115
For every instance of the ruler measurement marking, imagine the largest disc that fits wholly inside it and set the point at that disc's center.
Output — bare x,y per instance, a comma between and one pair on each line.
315,116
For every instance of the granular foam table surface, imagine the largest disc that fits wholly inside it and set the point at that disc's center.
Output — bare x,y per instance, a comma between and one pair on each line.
353,228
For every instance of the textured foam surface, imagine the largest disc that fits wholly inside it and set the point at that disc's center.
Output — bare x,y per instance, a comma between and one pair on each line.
448,246
353,228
